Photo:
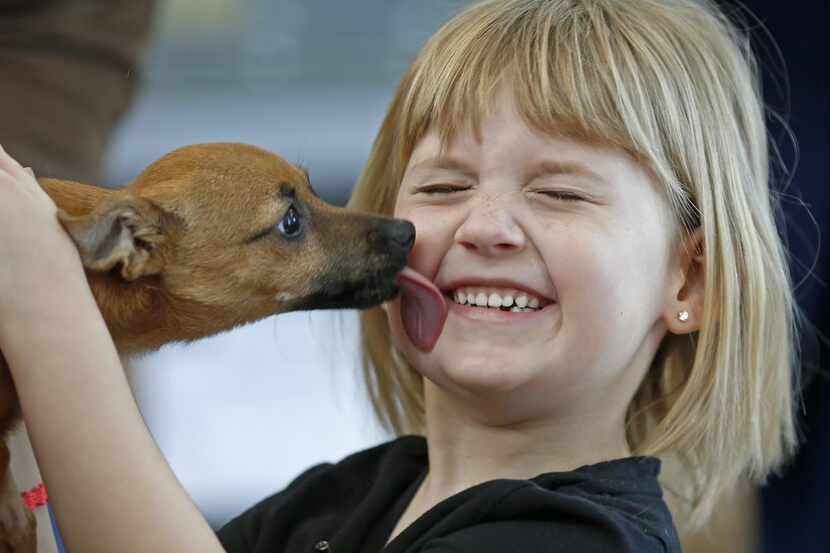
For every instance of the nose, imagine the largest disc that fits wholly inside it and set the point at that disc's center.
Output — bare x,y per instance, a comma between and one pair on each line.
491,230
395,234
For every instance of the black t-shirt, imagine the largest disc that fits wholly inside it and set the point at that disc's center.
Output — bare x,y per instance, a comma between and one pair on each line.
353,506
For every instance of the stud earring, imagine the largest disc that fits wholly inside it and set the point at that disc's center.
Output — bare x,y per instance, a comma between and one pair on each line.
683,316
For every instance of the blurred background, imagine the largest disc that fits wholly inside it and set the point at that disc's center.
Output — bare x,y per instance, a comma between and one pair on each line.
308,79
95,91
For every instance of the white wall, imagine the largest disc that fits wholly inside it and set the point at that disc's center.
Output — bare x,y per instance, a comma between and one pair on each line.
240,414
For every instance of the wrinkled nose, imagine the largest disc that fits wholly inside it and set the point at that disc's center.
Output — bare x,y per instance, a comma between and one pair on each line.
395,234
490,230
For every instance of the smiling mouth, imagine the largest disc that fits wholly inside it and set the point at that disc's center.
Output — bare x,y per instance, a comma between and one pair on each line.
505,300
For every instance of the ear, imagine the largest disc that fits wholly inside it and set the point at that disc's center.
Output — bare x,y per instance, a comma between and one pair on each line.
684,308
125,232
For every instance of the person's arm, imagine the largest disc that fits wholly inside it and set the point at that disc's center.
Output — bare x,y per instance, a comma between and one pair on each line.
110,487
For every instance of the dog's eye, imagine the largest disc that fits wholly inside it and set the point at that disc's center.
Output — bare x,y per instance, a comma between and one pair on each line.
290,224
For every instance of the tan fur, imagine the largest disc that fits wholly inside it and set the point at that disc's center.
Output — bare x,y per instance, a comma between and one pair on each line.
174,256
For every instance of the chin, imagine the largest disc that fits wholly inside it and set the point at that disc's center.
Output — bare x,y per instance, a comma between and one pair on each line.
482,374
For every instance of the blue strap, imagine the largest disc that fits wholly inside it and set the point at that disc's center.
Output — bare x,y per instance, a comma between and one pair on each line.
55,531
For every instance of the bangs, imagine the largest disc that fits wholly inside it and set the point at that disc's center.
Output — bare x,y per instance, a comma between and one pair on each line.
575,70
550,64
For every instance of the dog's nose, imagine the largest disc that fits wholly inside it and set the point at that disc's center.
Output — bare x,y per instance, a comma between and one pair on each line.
402,234
396,234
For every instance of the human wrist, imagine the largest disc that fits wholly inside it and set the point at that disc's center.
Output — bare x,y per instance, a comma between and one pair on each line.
44,300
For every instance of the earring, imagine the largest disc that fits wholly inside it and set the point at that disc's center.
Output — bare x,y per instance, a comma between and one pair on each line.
683,316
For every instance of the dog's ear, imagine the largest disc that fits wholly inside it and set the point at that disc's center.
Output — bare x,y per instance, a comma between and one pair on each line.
126,232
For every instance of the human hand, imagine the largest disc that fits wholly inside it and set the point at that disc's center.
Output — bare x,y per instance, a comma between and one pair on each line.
35,251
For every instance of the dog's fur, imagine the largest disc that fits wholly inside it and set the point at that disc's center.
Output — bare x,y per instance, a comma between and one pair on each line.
193,246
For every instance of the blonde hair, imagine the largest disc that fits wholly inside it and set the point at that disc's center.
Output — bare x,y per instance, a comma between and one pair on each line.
674,83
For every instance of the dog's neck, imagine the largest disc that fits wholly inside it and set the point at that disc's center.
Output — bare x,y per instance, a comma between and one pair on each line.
133,311
142,316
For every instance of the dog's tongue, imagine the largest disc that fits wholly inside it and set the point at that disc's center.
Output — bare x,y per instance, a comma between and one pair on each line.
423,309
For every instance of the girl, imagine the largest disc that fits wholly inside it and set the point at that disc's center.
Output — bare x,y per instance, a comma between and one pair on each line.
588,180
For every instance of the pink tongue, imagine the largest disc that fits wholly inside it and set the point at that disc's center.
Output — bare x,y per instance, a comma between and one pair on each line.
423,309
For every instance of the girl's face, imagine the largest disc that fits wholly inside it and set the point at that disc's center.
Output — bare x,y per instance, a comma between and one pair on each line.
577,235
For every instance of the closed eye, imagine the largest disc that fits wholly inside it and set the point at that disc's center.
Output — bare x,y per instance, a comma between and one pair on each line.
562,195
441,189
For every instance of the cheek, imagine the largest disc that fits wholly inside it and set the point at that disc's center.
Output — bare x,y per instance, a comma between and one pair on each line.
588,271
433,237
610,292
434,234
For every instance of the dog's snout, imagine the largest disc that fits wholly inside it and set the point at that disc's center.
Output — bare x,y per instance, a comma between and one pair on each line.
395,234
402,234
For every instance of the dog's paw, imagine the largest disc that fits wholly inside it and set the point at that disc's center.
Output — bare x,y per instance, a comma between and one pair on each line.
18,530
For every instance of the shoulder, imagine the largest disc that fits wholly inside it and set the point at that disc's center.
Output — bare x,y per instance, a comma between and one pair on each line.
244,532
530,536
615,506
326,488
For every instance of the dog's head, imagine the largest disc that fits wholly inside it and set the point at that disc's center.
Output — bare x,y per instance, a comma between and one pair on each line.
236,227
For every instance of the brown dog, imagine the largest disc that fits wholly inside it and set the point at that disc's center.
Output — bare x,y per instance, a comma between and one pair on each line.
207,238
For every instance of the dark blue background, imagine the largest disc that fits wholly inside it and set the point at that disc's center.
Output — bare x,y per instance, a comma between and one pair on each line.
796,504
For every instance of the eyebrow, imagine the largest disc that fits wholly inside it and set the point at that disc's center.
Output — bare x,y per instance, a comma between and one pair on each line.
546,167
286,190
446,162
551,167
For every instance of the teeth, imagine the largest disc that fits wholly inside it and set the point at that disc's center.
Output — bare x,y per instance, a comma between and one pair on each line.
494,300
500,299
